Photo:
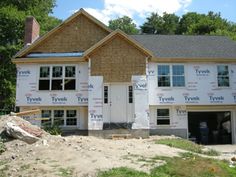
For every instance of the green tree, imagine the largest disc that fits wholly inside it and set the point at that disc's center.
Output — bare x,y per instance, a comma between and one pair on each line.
125,24
12,17
190,23
156,24
187,20
153,24
208,24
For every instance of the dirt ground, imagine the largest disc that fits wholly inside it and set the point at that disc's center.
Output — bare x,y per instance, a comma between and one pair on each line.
79,155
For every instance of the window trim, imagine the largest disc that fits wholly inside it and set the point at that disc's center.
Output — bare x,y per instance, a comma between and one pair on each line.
171,75
156,117
224,87
63,77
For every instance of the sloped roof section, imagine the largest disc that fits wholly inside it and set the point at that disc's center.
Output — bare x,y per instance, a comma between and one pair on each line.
188,46
45,37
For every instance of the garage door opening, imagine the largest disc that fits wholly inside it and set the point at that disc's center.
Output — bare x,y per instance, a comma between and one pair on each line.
210,127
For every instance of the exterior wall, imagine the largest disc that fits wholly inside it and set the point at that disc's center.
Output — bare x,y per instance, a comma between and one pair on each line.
117,61
78,35
179,119
200,88
27,93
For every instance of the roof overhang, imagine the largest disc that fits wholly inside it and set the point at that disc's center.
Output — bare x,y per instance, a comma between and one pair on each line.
50,60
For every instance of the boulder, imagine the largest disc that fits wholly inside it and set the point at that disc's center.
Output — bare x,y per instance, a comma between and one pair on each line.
17,132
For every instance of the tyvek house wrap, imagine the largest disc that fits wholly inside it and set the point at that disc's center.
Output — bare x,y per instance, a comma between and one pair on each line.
141,108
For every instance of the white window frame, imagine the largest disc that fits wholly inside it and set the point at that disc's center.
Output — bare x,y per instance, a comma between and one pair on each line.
167,117
171,75
64,116
63,77
217,75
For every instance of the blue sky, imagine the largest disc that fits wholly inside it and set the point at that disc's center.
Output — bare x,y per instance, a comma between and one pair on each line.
138,10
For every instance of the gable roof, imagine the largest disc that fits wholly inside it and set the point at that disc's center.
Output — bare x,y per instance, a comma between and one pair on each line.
26,49
188,46
111,36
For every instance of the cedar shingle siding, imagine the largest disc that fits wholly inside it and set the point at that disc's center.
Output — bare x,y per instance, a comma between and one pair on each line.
78,35
117,61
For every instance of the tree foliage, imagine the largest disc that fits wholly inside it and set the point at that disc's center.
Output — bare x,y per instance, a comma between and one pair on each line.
156,24
190,23
12,17
125,24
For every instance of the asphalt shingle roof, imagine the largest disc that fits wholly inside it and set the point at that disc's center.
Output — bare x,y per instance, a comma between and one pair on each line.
188,46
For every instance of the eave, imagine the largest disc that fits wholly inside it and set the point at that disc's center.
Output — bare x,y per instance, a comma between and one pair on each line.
51,60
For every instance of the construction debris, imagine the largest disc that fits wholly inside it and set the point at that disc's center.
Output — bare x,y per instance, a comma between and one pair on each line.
21,129
17,132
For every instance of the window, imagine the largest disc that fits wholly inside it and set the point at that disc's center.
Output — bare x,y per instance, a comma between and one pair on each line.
71,118
57,78
46,118
223,76
163,117
59,117
105,94
171,75
130,94
163,76
69,78
178,76
44,78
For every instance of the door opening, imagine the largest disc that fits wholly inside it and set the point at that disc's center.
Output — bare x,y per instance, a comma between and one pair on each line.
210,127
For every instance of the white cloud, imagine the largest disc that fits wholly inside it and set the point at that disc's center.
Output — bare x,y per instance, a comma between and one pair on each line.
139,8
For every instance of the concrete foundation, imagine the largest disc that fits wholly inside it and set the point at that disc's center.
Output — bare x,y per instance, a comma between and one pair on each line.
144,133
177,132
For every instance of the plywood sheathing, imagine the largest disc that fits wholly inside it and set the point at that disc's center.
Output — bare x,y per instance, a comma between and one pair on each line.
78,35
117,60
93,22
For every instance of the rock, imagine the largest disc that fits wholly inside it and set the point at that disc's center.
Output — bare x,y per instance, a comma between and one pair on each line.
13,114
45,142
77,148
233,158
16,132
14,170
92,149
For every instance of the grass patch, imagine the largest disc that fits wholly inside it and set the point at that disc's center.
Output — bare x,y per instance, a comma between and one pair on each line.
187,145
25,167
187,165
2,146
4,167
66,172
122,172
